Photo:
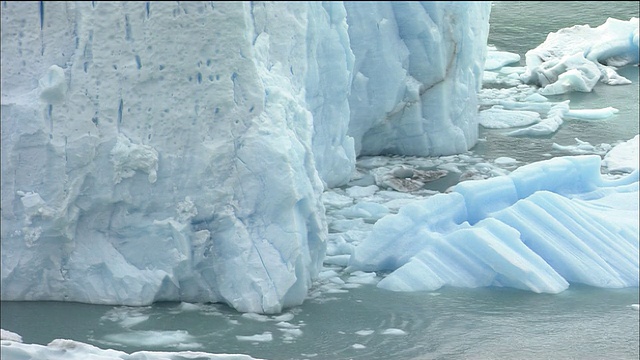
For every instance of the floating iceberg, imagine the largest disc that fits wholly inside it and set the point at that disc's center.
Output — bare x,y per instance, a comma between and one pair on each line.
540,228
576,58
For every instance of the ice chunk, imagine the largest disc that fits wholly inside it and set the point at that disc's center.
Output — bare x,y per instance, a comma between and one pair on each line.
592,114
10,336
623,157
394,331
574,59
583,147
498,118
148,338
497,59
548,125
543,226
264,337
53,86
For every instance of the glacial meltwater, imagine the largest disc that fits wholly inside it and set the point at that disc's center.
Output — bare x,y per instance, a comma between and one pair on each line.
362,321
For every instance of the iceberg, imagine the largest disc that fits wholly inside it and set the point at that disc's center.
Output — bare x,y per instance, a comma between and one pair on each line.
156,151
576,58
540,228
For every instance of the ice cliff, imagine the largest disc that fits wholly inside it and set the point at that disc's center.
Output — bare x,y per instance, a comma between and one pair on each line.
416,75
178,150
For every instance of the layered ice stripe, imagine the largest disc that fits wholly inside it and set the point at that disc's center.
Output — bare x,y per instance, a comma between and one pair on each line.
487,254
579,239
541,227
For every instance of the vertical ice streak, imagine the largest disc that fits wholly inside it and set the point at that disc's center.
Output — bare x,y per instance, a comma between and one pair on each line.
119,123
41,4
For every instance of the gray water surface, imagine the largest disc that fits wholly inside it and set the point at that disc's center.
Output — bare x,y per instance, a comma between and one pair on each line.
485,323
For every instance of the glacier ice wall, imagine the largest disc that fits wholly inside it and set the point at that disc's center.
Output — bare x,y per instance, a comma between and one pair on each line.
177,162
418,66
178,151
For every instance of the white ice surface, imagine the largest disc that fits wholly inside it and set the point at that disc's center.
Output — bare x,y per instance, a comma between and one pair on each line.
623,157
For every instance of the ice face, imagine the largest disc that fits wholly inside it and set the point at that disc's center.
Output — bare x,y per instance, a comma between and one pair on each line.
177,151
163,157
410,63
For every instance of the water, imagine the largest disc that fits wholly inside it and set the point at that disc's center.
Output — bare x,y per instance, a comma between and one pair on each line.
487,323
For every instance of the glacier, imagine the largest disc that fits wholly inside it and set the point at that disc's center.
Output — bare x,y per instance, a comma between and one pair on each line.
156,151
117,218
